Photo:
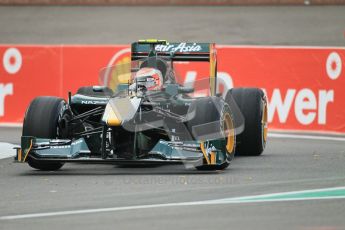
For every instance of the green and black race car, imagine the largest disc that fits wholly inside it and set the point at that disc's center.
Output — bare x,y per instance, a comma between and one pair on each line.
142,115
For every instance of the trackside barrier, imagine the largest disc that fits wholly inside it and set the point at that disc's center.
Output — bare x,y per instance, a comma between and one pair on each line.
305,86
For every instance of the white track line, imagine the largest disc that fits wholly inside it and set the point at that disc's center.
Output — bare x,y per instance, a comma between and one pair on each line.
235,200
11,125
309,137
6,150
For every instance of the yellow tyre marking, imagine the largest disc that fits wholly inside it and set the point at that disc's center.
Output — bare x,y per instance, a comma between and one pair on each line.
264,122
230,134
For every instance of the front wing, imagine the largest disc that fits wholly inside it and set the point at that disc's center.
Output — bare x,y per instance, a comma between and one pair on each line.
77,151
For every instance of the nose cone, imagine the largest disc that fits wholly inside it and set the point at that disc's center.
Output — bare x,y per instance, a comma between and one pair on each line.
120,109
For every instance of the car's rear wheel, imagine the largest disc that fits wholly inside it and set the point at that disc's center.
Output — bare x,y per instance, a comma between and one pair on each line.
253,105
41,120
214,110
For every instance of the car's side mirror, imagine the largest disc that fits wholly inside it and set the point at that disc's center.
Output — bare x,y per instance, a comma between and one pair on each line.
182,89
134,70
99,88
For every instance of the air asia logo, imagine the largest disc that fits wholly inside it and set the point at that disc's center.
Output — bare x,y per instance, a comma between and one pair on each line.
181,47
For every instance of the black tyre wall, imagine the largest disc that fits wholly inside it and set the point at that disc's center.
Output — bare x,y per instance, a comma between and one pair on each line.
251,102
41,120
42,116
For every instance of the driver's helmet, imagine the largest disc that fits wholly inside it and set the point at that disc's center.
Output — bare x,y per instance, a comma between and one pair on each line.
151,78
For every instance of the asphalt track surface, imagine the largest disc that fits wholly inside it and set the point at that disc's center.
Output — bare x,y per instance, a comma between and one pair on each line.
283,25
288,164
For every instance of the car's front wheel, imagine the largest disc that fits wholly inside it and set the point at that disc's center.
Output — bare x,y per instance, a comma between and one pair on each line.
41,120
213,110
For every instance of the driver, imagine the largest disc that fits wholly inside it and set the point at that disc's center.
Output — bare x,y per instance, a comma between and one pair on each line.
150,78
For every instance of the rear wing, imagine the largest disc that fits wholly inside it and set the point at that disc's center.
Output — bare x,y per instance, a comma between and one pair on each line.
179,51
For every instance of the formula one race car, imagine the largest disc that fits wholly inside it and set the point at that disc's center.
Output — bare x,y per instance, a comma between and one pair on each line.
142,114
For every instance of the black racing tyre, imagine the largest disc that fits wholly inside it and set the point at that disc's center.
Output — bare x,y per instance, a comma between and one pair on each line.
253,105
95,91
41,120
213,109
